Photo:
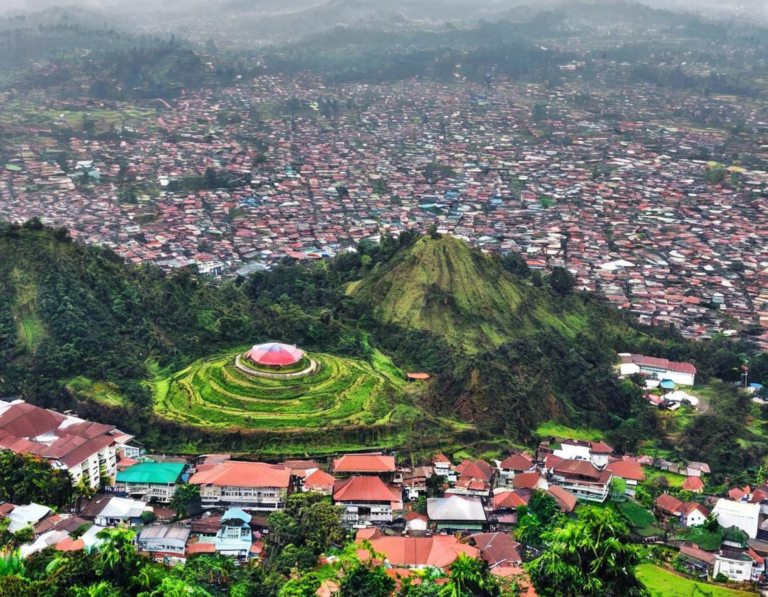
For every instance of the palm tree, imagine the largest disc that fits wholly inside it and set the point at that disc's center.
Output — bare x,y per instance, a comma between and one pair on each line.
116,553
467,578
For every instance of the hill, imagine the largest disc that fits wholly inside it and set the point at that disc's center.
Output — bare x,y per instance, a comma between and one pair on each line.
446,287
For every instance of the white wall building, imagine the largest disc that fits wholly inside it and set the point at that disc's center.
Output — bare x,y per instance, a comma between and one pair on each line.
683,374
742,515
736,566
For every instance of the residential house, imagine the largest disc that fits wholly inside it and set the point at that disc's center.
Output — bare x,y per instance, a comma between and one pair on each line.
318,481
365,464
630,471
736,565
513,465
110,511
249,485
695,559
598,453
154,481
583,479
233,535
693,514
457,513
438,551
497,549
366,499
444,467
683,374
669,505
743,515
416,524
693,484
164,540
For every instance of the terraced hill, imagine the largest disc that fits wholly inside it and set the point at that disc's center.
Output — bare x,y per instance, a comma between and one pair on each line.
214,393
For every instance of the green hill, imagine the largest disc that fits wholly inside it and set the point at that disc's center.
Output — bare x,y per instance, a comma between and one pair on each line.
448,288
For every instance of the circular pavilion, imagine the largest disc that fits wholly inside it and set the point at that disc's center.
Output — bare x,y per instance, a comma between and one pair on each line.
274,355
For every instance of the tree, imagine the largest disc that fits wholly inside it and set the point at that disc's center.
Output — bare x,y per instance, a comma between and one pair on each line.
304,586
591,557
561,280
116,555
366,580
467,577
515,264
185,496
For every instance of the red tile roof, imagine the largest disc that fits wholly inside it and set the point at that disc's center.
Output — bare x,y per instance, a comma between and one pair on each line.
517,462
243,474
364,463
364,489
669,504
627,469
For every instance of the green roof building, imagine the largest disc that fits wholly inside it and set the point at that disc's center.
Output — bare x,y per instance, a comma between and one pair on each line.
150,480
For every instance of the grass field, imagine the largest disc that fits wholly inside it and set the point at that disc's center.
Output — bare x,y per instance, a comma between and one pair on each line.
99,391
662,583
213,393
674,479
636,514
552,428
704,539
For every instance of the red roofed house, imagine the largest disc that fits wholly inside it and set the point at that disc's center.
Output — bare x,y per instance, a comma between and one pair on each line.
367,499
669,505
683,374
598,453
77,446
248,485
693,514
694,484
438,551
583,479
629,470
365,464
318,481
513,465
497,549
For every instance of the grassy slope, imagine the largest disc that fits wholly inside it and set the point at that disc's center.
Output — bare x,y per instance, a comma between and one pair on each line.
446,287
661,583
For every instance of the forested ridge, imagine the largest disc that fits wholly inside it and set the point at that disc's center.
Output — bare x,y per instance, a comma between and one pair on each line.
70,312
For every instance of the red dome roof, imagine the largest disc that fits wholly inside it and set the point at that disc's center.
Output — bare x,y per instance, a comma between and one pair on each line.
274,354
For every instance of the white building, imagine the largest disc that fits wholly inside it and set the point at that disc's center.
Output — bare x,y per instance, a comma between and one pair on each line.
683,374
742,515
735,565
249,485
84,449
598,453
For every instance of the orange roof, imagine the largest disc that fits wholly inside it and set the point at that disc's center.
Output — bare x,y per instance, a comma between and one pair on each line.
418,376
364,489
669,504
627,469
320,479
528,481
244,474
364,463
565,499
439,551
194,548
69,544
693,484
517,462
508,499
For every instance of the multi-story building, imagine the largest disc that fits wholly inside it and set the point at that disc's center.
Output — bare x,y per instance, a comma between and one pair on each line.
150,481
735,565
366,499
583,479
88,451
247,485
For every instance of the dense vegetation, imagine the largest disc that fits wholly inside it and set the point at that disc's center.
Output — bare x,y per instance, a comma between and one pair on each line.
509,350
